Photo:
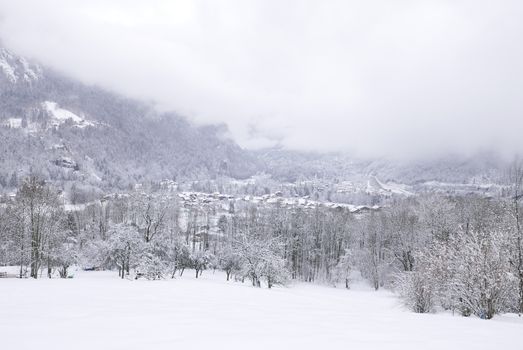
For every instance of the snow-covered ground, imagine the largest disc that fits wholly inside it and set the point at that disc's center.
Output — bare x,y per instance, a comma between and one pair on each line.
60,116
98,311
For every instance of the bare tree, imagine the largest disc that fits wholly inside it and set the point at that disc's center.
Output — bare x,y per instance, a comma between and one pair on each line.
39,202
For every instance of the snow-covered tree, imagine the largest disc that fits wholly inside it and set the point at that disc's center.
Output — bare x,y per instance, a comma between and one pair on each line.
201,260
344,268
178,257
273,269
374,258
66,256
229,261
515,210
480,280
125,248
41,207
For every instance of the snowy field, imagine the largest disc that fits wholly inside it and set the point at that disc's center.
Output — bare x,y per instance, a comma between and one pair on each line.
96,310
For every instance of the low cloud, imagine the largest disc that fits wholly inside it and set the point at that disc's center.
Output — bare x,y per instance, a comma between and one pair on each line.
373,77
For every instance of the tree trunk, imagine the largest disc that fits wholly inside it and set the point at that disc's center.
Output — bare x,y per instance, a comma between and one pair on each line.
49,269
22,259
34,258
520,294
63,272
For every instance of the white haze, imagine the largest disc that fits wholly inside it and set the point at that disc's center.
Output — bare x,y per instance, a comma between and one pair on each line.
371,77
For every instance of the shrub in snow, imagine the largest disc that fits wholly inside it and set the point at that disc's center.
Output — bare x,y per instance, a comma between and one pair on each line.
467,272
416,288
481,281
151,266
66,257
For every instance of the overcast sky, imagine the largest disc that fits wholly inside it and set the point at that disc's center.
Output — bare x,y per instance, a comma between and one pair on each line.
372,77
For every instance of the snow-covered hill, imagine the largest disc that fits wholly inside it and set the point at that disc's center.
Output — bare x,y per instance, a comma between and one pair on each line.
59,116
96,310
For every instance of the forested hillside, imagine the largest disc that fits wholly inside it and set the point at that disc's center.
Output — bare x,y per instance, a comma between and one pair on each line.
68,131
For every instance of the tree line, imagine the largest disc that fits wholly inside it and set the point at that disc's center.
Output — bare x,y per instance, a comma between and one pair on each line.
439,252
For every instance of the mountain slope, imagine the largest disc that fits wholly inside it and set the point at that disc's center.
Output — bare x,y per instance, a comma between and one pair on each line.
69,131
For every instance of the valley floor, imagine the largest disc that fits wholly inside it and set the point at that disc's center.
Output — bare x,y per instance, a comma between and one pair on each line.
96,310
